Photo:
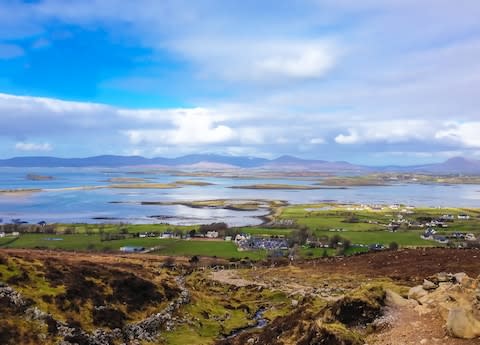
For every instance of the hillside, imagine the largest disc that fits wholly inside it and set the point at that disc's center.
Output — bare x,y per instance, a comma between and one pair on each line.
53,297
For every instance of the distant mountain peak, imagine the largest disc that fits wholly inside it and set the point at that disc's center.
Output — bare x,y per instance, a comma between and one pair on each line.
454,165
461,160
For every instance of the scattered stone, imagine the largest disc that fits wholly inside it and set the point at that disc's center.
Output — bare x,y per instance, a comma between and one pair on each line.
428,285
459,277
443,277
384,322
417,292
462,324
393,299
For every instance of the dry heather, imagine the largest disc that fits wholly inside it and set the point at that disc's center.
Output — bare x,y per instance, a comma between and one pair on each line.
98,299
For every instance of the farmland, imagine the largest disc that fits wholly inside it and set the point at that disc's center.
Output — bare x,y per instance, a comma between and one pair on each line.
360,225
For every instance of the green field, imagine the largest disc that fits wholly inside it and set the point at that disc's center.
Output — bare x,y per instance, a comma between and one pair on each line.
221,249
115,228
334,218
403,238
259,231
360,226
366,226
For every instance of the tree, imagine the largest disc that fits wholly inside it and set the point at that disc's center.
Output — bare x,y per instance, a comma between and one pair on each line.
299,237
393,246
178,233
69,231
346,244
194,260
334,241
352,219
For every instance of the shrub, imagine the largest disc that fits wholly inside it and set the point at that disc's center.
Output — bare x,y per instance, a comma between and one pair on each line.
393,246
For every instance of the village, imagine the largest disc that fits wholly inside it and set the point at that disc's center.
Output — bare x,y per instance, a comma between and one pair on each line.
340,228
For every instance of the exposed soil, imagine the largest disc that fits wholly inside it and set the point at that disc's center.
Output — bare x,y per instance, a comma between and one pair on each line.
408,266
411,328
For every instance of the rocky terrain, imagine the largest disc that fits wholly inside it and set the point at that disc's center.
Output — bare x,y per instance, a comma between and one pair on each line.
391,298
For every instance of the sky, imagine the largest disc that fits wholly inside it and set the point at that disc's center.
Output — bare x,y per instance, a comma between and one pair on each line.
371,82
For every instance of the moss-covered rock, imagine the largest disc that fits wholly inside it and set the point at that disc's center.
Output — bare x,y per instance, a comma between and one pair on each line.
359,308
330,334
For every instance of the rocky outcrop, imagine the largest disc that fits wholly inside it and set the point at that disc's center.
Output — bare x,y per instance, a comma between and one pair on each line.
11,298
147,329
456,297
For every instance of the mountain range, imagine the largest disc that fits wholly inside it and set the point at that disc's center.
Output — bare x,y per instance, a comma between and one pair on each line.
457,165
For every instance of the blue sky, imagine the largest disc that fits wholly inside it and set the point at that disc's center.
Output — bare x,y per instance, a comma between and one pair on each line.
375,82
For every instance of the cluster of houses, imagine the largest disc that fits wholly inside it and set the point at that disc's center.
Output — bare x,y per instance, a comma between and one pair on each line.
178,235
247,242
431,234
451,217
441,222
376,207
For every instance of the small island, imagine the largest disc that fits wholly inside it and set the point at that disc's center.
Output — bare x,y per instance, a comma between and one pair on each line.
126,180
35,177
145,186
282,187
193,183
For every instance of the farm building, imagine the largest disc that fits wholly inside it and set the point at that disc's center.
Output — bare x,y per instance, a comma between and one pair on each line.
131,249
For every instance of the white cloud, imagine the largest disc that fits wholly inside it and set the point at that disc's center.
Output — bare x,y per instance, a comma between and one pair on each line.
465,134
261,60
189,129
395,131
33,147
351,138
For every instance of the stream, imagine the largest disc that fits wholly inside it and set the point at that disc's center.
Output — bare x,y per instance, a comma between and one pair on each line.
260,322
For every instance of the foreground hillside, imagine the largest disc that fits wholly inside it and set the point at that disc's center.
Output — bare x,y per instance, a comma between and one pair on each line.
55,297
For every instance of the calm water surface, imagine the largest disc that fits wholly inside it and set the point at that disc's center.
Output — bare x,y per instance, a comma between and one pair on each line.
57,205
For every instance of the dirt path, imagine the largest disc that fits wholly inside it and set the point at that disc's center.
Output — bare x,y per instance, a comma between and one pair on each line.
231,277
410,328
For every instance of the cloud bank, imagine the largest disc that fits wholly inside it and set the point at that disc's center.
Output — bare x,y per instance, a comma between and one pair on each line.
340,80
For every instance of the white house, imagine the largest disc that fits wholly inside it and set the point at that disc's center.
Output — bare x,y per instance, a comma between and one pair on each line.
241,237
470,237
463,216
211,234
2,234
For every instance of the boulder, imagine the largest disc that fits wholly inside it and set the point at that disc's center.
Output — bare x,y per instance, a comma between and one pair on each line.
443,277
459,277
428,285
417,292
393,299
462,324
